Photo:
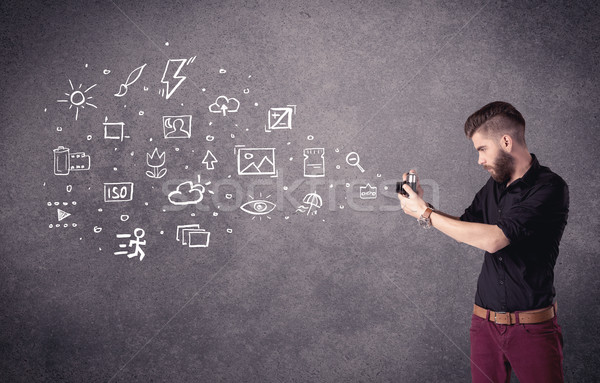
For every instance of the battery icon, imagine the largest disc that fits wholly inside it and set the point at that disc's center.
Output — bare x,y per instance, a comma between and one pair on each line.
65,161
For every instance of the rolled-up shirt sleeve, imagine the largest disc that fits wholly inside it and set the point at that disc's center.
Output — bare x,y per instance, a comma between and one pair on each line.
474,213
542,208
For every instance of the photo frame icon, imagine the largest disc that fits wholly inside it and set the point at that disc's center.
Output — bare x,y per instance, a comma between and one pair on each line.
256,161
198,238
177,126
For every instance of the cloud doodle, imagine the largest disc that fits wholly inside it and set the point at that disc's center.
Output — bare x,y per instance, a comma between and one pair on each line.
187,193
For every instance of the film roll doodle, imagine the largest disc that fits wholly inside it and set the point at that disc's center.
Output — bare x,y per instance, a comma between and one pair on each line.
65,162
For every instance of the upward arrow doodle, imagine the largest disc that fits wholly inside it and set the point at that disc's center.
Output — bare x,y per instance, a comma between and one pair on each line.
209,160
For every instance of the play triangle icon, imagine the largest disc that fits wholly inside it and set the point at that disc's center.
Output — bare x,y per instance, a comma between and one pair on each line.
62,214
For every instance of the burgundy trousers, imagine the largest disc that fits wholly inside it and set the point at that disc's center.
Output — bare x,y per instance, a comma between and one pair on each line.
534,351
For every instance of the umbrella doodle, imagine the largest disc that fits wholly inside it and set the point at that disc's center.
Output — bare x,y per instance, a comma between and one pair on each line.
310,200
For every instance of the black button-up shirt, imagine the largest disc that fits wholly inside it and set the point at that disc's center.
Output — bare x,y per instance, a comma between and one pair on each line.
532,212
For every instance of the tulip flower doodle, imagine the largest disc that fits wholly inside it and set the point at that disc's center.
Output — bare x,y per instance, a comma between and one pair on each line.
156,161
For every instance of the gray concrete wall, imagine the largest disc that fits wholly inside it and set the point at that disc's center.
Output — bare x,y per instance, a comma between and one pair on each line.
350,294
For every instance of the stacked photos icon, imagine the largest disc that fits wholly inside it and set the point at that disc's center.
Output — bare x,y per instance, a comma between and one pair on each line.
192,235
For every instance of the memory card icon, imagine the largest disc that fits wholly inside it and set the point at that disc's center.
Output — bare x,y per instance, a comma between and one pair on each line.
280,118
314,162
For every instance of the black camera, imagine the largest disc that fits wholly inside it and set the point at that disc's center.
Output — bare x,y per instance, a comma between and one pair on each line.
411,181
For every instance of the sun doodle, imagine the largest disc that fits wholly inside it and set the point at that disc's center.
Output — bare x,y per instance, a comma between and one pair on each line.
77,98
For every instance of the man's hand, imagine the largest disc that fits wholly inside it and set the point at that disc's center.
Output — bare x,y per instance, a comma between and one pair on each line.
414,204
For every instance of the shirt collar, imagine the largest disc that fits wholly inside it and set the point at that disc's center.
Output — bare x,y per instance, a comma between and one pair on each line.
530,175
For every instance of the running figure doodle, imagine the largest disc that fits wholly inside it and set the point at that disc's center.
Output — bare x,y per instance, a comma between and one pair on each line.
137,242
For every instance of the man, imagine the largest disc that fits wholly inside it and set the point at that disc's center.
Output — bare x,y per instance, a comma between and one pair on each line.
518,219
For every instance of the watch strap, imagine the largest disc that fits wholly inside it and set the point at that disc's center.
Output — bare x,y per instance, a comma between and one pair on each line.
427,213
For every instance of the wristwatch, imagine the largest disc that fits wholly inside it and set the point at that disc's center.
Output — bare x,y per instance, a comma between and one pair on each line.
424,220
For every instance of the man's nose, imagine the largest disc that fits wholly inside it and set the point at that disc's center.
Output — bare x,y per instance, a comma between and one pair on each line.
481,160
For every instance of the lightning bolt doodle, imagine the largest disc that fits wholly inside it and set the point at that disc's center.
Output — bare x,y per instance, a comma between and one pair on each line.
167,79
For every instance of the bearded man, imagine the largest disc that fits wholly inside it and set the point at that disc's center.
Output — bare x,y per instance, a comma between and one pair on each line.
517,218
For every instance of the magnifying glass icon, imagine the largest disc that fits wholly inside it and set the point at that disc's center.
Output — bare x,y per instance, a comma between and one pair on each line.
353,159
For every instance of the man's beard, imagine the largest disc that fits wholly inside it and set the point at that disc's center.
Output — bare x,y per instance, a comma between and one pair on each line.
503,167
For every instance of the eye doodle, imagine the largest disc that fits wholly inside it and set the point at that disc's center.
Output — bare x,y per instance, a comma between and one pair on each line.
258,207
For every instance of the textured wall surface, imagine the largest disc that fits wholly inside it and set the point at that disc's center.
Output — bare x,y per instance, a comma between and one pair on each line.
356,292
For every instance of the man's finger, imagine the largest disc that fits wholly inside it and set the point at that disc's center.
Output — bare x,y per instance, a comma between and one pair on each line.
407,188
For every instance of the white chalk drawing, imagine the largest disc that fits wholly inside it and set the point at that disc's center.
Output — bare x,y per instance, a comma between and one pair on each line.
65,162
63,225
133,77
155,161
209,160
256,161
171,77
97,229
310,200
61,214
177,126
187,193
114,130
118,191
124,217
224,105
280,118
137,243
368,192
78,98
353,159
314,162
192,235
258,207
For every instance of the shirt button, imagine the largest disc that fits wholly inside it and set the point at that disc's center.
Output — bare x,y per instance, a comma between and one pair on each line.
500,258
501,282
499,210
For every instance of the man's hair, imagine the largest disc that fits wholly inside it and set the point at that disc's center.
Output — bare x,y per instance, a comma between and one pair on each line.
495,120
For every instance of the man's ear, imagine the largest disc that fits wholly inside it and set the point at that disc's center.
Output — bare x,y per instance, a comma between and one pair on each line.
506,142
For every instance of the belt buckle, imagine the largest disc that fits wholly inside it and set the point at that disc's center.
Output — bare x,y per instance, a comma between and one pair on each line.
496,315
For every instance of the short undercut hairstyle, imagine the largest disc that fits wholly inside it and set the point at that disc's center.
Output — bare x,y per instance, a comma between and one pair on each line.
495,120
